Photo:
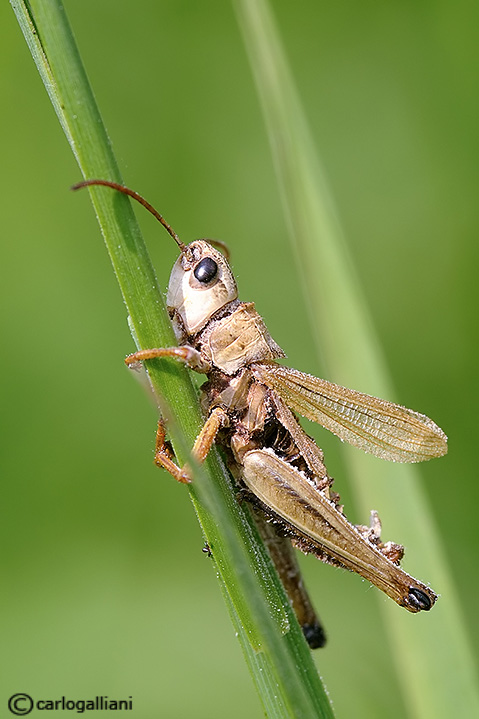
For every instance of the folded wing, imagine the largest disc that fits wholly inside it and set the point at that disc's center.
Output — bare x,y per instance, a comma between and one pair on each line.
374,425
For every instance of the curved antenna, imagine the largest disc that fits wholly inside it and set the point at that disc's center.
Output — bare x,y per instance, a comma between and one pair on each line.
138,198
220,245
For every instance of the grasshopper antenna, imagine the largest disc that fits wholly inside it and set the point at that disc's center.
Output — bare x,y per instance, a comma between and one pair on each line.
138,198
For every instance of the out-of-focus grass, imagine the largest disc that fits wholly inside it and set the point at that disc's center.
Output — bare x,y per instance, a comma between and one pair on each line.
432,653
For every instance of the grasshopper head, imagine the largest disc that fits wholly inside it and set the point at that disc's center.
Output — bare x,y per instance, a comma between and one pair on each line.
201,283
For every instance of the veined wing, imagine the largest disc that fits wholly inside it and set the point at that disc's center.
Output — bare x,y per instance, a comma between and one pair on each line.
374,425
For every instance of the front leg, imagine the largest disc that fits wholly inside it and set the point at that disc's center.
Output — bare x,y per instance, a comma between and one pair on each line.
217,419
191,357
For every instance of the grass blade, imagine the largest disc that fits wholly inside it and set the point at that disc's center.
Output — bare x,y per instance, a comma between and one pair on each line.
276,652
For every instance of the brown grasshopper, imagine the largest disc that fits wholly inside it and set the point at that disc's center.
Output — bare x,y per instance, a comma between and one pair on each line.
250,401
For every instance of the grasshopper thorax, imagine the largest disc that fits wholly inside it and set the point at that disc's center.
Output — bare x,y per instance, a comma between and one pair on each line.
201,283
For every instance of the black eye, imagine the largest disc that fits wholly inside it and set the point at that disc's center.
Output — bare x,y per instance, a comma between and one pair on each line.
419,599
205,270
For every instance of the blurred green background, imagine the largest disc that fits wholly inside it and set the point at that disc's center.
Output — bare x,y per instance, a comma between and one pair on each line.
105,588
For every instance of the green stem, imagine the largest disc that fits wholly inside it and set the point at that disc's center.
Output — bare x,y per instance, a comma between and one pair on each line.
276,652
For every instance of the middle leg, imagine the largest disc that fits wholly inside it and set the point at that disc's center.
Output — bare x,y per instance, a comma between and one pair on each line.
216,419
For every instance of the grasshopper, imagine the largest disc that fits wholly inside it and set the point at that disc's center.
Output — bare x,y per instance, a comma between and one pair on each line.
250,404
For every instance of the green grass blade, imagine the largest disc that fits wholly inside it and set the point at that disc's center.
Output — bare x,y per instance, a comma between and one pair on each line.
277,654
431,651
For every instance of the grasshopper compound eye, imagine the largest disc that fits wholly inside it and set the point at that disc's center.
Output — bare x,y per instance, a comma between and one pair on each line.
206,270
